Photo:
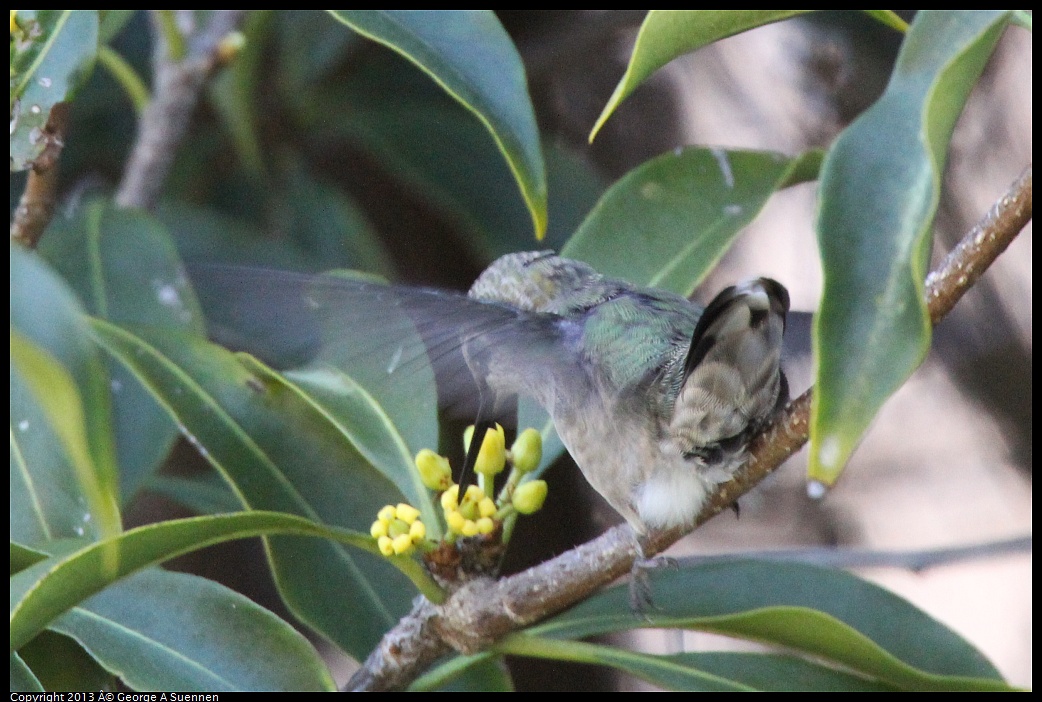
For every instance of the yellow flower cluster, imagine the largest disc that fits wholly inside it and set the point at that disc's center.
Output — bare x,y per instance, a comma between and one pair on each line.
470,516
398,529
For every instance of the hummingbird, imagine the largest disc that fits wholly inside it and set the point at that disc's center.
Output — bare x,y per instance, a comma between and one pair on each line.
654,396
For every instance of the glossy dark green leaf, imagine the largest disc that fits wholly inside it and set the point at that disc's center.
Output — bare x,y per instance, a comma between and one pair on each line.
46,499
202,494
158,630
206,234
701,672
489,674
774,672
50,387
442,675
233,93
310,48
61,665
889,18
279,452
828,614
658,669
123,266
879,191
373,432
432,147
667,222
56,497
111,23
468,53
47,589
667,34
22,677
21,557
327,224
52,51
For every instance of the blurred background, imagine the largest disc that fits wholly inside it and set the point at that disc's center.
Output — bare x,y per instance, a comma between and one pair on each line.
317,149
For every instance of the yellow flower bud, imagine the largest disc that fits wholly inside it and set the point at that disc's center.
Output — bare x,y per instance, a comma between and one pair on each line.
468,506
396,527
378,529
450,498
434,470
470,528
485,525
473,494
417,531
455,521
492,456
527,450
486,508
402,544
469,510
386,545
407,513
468,434
529,497
386,514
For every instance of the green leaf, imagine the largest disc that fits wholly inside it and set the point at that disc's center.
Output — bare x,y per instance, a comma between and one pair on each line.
432,147
468,53
206,493
55,392
310,49
773,672
879,191
111,23
59,488
667,34
22,677
440,676
158,630
701,672
480,673
61,664
279,452
45,590
371,430
123,266
329,226
667,222
52,51
888,18
658,669
206,234
22,557
233,93
828,614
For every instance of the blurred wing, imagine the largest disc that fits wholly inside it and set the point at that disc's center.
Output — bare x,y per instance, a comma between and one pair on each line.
389,338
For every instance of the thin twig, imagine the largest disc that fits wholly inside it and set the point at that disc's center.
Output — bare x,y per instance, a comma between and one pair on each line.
484,610
163,124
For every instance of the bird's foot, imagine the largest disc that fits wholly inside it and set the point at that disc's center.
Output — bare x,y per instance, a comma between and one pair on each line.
641,595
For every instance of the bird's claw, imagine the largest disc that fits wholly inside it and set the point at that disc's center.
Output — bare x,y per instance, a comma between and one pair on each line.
641,596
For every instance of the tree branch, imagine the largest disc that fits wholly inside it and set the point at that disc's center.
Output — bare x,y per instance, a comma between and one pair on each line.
178,82
36,206
484,610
